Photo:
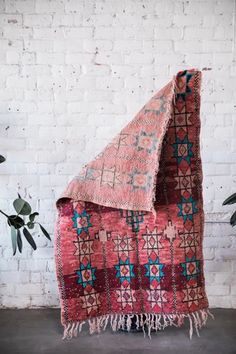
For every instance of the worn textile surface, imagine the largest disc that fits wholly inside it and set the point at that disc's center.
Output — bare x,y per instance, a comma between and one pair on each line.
130,225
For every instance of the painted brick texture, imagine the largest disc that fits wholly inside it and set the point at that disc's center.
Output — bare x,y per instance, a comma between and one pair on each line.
72,74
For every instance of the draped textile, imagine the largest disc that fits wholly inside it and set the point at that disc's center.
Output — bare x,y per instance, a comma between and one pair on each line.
129,232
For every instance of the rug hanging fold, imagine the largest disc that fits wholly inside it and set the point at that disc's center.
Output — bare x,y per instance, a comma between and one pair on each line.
129,232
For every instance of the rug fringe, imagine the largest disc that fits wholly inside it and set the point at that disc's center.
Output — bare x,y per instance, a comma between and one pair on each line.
146,321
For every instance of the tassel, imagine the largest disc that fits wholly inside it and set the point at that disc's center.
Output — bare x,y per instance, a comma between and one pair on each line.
211,314
146,321
196,323
137,321
190,327
106,322
80,326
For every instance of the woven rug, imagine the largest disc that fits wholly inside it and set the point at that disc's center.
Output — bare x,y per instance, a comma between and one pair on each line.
129,232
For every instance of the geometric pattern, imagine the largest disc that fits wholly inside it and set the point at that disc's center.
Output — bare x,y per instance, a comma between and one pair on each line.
125,296
154,269
170,231
185,181
156,106
133,218
188,239
145,141
187,208
140,180
120,141
81,221
103,235
152,239
157,297
84,246
192,295
191,268
110,177
183,150
104,175
116,257
125,270
90,301
86,274
123,244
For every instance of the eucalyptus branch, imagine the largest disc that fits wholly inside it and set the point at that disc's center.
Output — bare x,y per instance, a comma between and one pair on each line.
17,223
2,212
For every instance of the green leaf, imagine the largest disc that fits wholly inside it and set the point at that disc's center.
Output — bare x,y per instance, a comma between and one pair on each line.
29,238
22,207
233,219
19,241
16,221
230,200
30,225
45,232
13,239
2,159
32,216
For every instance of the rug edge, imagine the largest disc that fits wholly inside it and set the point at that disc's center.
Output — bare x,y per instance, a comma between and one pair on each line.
148,322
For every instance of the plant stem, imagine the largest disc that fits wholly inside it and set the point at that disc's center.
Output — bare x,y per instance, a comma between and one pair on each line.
2,212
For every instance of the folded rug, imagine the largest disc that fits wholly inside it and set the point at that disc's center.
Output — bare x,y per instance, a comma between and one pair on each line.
129,232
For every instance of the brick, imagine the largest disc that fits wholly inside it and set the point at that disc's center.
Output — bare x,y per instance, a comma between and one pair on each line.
225,254
20,82
9,266
72,73
50,58
20,6
104,33
220,301
195,33
48,33
34,20
168,33
32,289
217,46
79,58
32,265
209,253
218,290
111,83
10,20
199,8
92,46
74,6
12,277
192,46
127,45
186,20
79,32
46,6
41,45
10,32
217,266
225,278
224,7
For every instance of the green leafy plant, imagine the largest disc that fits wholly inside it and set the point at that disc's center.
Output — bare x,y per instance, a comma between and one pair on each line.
17,223
231,200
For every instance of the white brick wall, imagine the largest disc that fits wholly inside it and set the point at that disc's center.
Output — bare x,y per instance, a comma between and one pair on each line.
72,73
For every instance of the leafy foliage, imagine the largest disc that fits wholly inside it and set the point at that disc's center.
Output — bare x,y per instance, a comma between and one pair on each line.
17,222
231,200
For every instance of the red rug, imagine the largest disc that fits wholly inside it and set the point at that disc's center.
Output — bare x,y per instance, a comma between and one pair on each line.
129,233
